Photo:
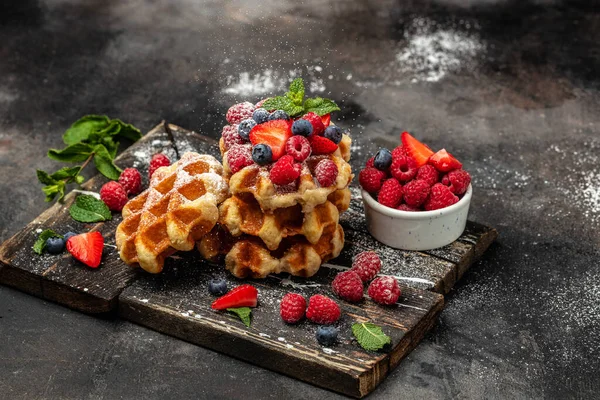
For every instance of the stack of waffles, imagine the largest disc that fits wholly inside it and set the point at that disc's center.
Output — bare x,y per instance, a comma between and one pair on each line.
265,228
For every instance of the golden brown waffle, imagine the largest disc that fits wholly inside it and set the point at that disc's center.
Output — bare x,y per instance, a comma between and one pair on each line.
179,207
247,256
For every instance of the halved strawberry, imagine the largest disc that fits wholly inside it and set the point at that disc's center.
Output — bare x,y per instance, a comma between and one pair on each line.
321,145
326,119
241,296
444,161
274,134
418,151
87,248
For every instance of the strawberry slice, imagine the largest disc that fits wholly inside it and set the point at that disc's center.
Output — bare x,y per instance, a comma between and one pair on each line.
326,119
321,145
416,150
87,248
444,161
274,134
241,296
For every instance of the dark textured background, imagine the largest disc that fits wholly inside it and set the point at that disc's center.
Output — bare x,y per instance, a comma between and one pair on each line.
518,103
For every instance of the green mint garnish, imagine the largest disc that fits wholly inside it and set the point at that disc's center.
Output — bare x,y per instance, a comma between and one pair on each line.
244,313
370,336
293,102
87,208
40,244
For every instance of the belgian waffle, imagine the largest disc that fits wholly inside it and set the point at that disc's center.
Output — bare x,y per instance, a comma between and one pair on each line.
179,207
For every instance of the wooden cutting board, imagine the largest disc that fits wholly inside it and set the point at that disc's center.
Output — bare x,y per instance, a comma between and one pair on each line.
177,301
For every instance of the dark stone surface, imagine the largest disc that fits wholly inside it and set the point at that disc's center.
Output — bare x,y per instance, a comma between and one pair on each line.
512,91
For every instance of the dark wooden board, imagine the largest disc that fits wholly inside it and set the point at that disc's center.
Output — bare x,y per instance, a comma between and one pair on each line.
177,302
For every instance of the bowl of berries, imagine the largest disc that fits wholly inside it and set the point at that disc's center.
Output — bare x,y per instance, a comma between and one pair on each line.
415,198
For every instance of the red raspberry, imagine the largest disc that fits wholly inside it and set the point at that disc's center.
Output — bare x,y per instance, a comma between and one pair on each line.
367,265
440,197
398,152
384,290
326,172
292,308
131,180
370,162
403,168
322,310
298,147
390,194
406,207
458,181
429,174
158,160
371,179
316,122
231,137
239,112
284,171
113,195
349,286
415,192
239,156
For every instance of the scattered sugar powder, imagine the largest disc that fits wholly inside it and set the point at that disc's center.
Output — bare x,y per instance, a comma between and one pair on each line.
591,193
269,81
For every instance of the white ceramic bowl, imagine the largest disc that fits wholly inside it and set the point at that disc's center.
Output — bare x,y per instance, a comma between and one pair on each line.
418,230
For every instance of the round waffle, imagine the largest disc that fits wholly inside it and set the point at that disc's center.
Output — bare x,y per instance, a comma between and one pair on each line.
179,207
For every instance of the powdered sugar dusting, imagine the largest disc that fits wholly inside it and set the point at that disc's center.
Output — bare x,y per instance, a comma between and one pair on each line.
269,81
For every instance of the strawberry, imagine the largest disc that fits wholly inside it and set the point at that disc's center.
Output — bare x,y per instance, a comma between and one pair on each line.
326,119
321,145
274,133
416,150
241,296
87,248
444,161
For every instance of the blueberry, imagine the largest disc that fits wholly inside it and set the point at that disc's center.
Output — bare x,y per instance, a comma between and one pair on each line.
333,133
383,159
302,127
327,335
262,154
68,235
55,245
217,287
278,114
245,127
260,115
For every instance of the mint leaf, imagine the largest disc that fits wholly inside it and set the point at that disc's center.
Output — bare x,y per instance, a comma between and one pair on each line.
128,131
66,172
104,163
44,178
243,313
320,106
296,93
40,243
74,153
55,189
277,103
370,336
87,208
82,128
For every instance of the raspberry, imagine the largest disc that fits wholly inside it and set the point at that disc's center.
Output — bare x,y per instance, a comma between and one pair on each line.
239,112
131,180
371,179
298,147
390,194
398,152
284,171
231,137
384,290
349,286
367,265
370,162
316,122
239,156
440,197
292,308
326,172
403,168
458,181
406,207
113,195
322,310
429,174
415,192
158,160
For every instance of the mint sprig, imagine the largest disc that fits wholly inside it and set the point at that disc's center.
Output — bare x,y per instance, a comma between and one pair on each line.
293,102
87,208
40,244
244,313
370,336
92,138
